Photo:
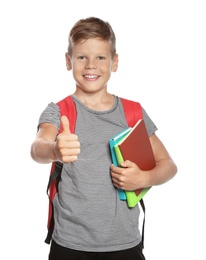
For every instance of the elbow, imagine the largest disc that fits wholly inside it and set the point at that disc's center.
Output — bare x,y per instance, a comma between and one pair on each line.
32,153
175,169
172,170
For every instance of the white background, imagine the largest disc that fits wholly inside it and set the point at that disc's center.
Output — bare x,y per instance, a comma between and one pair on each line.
162,64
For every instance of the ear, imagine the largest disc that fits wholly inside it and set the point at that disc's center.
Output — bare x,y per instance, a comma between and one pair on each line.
115,63
68,61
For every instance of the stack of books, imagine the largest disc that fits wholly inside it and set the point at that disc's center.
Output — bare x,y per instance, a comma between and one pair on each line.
133,144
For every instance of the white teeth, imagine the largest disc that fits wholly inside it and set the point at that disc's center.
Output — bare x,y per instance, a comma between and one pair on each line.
90,76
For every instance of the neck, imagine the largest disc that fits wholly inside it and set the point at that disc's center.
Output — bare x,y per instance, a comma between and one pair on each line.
96,101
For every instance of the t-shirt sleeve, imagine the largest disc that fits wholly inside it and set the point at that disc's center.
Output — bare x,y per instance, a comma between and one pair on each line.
151,127
51,115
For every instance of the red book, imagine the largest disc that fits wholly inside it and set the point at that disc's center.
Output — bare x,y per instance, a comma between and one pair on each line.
137,148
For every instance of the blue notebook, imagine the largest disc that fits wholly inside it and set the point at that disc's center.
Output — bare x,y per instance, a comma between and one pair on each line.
112,143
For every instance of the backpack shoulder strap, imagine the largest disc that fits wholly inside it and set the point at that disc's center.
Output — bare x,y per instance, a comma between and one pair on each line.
67,108
133,112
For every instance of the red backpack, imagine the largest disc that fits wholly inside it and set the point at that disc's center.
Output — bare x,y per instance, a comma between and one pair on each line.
133,112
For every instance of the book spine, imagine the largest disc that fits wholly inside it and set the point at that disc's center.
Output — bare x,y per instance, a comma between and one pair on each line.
121,193
118,154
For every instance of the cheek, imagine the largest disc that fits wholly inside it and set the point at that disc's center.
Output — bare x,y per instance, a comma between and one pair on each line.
78,66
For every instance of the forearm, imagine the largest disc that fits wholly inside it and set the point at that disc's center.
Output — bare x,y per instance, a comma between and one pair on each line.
42,151
161,173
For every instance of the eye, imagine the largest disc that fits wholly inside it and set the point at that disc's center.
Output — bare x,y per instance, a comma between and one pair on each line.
101,58
81,57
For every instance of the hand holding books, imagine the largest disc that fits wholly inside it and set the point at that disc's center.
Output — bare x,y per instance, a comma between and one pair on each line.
136,147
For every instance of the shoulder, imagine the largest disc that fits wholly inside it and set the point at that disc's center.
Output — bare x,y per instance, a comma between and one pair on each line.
131,104
51,115
134,109
52,107
130,101
65,100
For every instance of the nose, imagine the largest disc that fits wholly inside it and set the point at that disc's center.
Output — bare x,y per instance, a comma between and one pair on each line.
90,64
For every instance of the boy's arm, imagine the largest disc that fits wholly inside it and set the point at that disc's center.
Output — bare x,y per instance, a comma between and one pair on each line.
165,168
48,146
130,177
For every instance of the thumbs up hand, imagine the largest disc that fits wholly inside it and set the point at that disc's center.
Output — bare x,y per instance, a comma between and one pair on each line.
67,146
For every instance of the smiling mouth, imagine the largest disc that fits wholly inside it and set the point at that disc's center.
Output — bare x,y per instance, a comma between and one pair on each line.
91,76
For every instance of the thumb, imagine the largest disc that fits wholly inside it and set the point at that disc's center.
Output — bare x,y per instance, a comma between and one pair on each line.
65,125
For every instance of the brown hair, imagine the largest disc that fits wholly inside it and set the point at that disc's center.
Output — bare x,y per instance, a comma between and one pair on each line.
92,27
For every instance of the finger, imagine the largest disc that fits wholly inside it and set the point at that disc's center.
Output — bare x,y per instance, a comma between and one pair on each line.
65,125
128,164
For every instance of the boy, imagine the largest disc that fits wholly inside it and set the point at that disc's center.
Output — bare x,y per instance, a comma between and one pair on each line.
89,216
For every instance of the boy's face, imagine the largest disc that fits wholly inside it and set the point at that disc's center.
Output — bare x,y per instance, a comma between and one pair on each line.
92,64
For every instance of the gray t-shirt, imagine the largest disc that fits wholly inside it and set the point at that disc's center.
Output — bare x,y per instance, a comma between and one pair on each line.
89,216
